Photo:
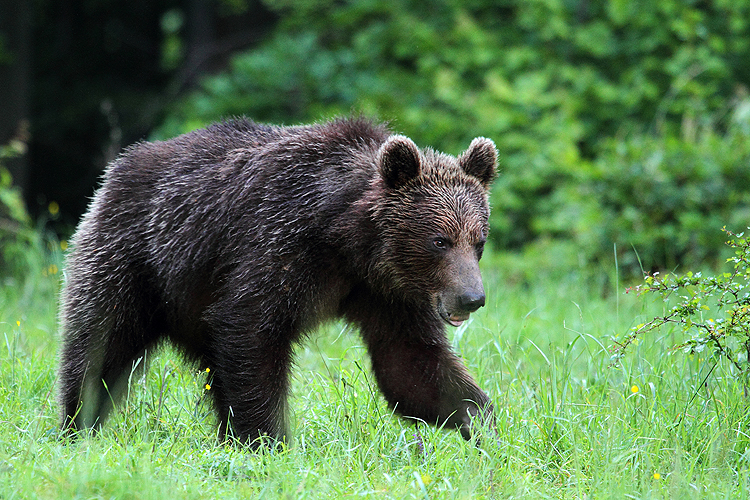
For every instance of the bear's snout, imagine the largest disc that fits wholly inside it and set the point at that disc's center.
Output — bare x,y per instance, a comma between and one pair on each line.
471,301
465,293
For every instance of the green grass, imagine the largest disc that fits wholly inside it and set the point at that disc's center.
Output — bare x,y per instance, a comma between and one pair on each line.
569,425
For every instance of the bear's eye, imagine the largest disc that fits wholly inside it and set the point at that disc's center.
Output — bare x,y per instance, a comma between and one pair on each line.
441,243
479,249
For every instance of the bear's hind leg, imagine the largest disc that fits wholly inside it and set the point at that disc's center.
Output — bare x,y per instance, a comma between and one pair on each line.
93,380
74,367
103,341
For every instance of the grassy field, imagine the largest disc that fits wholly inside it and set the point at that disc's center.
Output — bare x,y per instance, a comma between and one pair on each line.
569,425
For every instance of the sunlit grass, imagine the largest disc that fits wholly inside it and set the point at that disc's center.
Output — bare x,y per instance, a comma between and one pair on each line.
569,424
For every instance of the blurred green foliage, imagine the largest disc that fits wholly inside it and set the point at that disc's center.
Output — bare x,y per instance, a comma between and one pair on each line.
618,121
668,197
16,233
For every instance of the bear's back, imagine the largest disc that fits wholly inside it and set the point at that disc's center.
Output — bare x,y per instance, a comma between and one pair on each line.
173,207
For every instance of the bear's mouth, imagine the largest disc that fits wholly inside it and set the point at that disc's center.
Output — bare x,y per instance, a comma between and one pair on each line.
456,319
452,318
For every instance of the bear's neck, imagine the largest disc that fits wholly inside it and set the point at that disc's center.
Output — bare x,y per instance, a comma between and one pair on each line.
356,235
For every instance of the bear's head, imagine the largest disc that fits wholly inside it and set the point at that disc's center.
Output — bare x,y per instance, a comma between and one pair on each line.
433,219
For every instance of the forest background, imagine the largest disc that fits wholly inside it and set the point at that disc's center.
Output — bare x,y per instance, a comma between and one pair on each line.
622,126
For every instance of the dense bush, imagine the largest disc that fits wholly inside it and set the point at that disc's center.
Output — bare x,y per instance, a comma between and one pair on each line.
669,197
610,117
661,201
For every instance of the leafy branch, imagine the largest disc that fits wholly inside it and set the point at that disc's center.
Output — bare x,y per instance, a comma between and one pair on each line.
713,312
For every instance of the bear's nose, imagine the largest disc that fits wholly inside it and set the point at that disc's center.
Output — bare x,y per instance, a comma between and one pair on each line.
470,302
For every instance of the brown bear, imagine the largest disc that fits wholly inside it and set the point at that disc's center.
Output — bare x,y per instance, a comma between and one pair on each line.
237,240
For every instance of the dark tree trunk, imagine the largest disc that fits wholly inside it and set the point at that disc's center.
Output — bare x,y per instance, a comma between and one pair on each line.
200,37
15,80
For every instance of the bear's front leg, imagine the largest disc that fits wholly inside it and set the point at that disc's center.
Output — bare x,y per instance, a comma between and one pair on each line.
425,380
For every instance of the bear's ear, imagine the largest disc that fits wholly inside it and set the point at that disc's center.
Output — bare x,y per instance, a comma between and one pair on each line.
398,160
480,160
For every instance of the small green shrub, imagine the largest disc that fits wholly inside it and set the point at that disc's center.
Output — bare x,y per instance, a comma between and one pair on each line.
12,207
712,312
16,233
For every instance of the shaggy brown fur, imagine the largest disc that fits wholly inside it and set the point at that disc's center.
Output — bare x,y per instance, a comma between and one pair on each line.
236,240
